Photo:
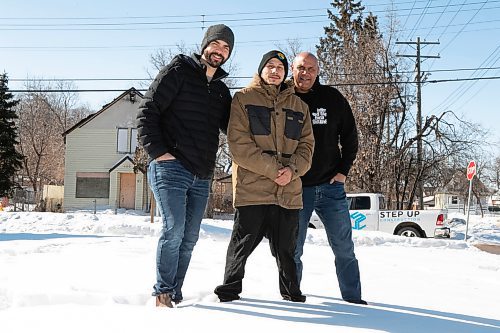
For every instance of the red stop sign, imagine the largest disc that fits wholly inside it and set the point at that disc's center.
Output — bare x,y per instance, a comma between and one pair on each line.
471,170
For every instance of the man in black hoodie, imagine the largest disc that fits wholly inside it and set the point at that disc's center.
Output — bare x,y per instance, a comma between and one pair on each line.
323,191
178,123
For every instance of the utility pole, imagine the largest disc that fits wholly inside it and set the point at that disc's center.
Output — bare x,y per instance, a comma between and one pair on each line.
420,184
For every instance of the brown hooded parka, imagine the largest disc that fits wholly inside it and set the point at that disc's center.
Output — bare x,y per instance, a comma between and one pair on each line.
269,128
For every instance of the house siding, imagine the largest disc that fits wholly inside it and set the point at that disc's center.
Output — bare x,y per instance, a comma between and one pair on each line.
92,147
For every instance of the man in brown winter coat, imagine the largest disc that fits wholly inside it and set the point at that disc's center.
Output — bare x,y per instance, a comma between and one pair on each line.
271,141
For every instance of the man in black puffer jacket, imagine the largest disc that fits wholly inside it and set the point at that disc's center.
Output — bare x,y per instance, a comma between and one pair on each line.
178,123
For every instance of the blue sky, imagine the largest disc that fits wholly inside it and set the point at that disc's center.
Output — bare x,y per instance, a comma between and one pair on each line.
114,39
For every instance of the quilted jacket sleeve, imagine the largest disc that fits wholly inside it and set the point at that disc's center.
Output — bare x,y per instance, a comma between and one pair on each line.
156,101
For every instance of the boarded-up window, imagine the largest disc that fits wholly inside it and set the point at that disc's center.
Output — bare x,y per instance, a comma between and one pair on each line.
92,185
122,140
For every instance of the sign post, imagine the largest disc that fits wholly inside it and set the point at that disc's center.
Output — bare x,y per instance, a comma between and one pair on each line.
471,171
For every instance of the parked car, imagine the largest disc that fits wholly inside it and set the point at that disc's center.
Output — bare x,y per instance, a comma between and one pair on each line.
367,213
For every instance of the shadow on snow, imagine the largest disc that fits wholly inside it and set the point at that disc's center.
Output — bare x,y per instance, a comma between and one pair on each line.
377,316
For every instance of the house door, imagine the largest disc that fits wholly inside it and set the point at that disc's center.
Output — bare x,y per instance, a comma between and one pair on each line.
127,190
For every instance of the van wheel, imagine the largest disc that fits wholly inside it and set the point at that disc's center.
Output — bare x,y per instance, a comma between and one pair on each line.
409,232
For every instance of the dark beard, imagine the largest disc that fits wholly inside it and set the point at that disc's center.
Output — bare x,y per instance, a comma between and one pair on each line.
214,64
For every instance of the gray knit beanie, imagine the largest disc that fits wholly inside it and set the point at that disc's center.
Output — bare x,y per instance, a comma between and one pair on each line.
218,32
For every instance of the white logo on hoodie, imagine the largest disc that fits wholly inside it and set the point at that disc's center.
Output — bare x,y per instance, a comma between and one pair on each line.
319,117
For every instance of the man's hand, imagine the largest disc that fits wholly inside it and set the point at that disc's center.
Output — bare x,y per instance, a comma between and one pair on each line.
165,157
338,178
284,176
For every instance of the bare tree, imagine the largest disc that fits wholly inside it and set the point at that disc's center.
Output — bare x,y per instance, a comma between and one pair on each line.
162,57
40,140
43,118
496,173
291,48
361,62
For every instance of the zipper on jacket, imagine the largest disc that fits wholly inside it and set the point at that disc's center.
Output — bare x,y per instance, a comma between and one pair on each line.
276,112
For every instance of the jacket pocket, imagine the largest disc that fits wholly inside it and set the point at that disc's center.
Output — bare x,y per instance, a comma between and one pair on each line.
260,119
293,124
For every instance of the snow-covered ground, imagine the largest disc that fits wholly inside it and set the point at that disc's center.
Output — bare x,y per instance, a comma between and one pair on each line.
79,272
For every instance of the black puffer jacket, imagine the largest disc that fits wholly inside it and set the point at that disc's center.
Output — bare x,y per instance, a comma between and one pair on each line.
182,113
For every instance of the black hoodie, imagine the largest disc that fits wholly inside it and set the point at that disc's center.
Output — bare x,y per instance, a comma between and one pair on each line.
335,134
182,114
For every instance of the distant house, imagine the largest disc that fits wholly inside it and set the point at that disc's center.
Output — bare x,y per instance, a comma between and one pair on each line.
494,202
453,196
99,155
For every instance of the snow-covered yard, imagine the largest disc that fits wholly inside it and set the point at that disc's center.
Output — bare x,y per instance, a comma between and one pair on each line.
81,272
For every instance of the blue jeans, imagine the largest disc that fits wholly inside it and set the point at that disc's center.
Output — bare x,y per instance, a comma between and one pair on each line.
330,203
182,199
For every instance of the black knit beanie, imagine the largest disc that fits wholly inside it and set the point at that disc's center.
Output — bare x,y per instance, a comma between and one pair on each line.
218,32
273,54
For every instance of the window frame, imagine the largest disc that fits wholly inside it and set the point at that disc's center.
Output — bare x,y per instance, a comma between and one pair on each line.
99,181
126,142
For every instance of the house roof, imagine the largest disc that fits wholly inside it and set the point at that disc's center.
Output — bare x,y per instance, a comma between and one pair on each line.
457,182
121,161
104,108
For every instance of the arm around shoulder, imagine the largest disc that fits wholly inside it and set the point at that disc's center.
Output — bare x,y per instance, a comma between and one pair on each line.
301,160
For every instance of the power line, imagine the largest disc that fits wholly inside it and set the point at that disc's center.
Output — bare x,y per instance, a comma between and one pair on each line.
243,77
200,15
419,20
325,19
93,47
452,19
202,20
158,23
458,33
233,88
408,16
445,29
161,16
138,46
458,92
438,19
418,56
480,88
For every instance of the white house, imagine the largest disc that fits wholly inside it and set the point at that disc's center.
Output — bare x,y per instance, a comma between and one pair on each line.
454,195
99,154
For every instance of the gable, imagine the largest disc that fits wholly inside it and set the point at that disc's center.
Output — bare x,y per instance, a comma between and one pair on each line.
126,164
121,112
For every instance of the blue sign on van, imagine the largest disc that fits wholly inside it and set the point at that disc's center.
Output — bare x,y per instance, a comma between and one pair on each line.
357,218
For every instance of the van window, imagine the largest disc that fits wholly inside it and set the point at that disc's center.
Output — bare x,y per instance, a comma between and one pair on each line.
359,203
